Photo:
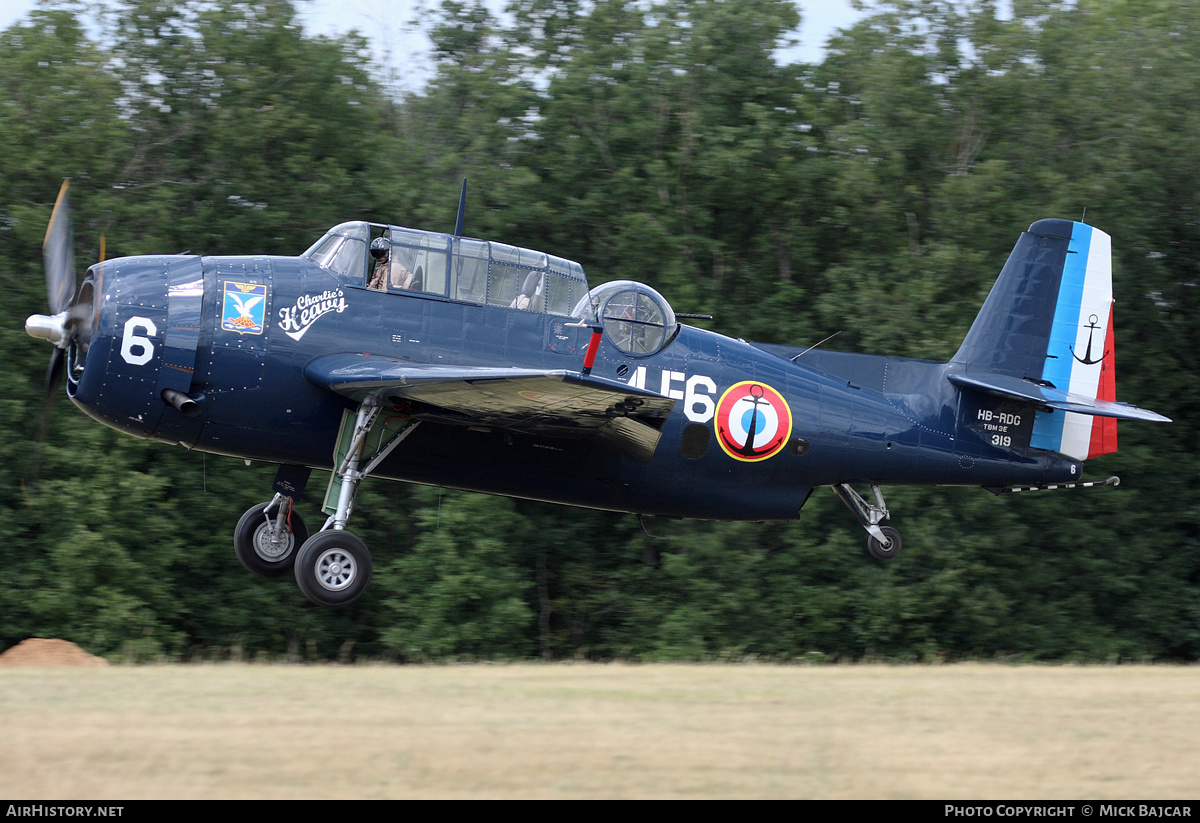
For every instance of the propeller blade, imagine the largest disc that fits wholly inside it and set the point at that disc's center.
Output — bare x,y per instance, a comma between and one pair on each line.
69,327
59,251
55,371
53,380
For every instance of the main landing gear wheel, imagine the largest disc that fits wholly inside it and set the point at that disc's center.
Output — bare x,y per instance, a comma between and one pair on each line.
333,568
261,548
879,550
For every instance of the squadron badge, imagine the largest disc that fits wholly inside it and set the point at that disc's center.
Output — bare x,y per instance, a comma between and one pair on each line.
245,307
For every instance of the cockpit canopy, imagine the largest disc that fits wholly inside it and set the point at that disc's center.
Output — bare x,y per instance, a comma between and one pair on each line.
636,318
456,268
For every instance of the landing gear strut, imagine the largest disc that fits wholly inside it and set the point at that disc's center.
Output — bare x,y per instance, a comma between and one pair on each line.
883,542
333,567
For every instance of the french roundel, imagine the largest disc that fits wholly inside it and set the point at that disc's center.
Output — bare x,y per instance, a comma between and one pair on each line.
753,421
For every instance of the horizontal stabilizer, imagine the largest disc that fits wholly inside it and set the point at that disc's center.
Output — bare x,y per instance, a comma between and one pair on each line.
1046,395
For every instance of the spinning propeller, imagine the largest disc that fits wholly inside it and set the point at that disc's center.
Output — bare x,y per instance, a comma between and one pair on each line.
70,320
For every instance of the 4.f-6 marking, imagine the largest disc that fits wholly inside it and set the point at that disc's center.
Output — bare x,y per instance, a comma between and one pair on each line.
697,392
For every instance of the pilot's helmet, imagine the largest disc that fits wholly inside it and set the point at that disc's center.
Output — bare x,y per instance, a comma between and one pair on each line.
380,248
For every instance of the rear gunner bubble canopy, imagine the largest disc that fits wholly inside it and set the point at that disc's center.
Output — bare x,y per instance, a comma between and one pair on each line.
636,319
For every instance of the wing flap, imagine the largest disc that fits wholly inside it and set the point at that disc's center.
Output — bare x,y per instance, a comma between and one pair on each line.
548,402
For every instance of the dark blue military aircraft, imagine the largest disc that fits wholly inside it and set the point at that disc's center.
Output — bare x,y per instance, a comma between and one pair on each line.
435,358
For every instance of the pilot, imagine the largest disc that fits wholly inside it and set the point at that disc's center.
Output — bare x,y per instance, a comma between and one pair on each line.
381,251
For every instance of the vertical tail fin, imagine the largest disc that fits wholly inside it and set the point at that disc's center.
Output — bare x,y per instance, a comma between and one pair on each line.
1048,320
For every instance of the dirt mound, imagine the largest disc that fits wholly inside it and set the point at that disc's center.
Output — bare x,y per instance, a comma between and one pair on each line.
38,651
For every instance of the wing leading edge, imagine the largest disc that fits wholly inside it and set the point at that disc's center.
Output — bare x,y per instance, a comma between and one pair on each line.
554,403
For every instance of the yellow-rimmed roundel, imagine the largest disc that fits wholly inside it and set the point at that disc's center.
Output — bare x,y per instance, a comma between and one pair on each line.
753,421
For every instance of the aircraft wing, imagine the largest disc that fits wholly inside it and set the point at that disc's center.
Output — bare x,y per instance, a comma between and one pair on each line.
548,402
1009,386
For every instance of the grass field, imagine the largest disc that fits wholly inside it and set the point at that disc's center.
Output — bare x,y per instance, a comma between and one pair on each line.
608,731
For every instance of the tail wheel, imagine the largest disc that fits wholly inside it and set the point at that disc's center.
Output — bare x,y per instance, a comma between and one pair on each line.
333,568
881,551
262,551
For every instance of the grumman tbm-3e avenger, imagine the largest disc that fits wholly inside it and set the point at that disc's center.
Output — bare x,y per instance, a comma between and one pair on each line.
440,359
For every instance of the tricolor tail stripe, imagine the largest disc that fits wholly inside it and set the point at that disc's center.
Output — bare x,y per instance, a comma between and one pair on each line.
1104,429
1079,353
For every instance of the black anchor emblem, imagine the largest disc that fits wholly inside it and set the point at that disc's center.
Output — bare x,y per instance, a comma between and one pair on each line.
1087,355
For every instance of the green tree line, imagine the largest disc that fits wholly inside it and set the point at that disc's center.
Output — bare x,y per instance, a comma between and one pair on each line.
875,194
